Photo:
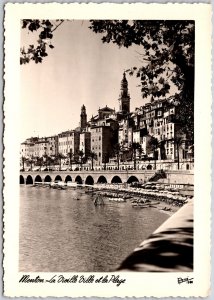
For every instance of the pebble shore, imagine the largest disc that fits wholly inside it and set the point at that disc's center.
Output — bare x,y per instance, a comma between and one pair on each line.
167,201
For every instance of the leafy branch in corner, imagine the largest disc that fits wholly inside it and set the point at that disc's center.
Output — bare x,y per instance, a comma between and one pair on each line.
167,57
45,29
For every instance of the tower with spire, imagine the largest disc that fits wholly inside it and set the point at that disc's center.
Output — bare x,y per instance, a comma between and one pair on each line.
124,98
83,118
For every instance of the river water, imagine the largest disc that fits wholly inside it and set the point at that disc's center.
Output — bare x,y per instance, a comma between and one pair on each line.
61,234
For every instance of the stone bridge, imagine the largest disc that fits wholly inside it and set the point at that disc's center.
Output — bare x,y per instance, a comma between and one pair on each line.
113,176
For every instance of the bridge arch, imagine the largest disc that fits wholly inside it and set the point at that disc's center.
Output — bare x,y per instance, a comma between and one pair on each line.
132,179
68,178
38,178
78,179
102,179
58,178
89,180
21,179
116,179
29,179
48,178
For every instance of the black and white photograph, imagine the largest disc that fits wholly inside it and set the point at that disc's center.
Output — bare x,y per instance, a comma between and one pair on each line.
104,164
107,143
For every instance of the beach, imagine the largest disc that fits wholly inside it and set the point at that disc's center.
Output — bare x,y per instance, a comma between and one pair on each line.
166,200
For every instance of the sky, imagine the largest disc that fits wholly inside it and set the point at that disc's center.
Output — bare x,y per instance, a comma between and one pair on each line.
79,70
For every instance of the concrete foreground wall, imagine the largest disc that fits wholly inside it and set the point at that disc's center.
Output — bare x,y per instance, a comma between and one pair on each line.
168,249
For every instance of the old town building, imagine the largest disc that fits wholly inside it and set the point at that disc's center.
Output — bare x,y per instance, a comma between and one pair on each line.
152,129
85,143
39,147
68,141
101,143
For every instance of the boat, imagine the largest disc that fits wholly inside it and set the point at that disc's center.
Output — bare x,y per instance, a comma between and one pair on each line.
145,205
154,203
142,206
166,209
54,187
140,200
58,186
117,199
62,187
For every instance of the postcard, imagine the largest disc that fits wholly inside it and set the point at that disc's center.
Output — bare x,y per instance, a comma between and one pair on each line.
107,150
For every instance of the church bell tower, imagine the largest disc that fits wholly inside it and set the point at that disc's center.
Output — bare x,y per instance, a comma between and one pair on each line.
124,98
83,118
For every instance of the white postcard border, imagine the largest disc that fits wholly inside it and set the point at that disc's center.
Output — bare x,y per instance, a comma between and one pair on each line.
137,284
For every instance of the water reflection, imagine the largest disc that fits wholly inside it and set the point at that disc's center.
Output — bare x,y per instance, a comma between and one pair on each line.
61,234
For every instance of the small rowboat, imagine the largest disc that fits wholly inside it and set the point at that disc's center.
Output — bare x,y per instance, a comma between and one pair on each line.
117,199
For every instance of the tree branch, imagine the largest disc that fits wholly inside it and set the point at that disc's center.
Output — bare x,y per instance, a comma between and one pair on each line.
57,25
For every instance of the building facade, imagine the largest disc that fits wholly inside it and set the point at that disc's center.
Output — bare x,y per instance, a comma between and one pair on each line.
101,144
69,141
38,147
85,143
